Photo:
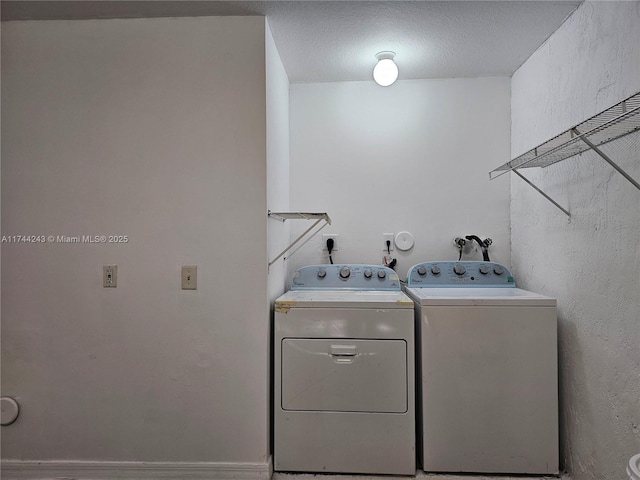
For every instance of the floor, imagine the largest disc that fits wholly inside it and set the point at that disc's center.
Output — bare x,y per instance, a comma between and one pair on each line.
420,475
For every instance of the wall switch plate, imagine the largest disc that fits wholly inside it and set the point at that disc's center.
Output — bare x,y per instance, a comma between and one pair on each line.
190,278
109,276
327,236
387,237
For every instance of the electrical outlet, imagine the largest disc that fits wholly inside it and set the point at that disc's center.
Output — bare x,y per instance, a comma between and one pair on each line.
109,276
387,237
190,278
327,236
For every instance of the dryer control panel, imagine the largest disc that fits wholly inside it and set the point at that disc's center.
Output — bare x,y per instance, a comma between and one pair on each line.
345,277
460,274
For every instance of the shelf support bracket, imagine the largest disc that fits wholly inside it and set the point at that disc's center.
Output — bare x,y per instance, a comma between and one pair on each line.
607,159
541,192
306,216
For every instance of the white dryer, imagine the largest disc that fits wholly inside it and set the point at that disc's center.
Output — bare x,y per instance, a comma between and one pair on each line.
344,373
488,369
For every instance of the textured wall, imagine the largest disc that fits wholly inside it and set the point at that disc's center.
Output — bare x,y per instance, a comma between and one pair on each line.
414,156
153,129
591,263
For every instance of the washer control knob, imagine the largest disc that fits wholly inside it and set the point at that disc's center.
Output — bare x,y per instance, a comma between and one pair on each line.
345,272
368,273
435,270
382,274
484,269
422,271
498,270
459,269
322,273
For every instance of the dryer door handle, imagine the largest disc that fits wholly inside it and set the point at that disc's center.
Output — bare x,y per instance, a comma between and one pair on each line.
343,350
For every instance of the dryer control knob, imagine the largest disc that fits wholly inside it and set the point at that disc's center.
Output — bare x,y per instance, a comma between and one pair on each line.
382,274
322,273
422,271
498,270
345,272
484,269
459,269
435,270
368,273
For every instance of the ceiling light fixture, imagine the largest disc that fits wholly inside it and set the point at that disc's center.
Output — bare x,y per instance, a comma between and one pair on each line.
386,71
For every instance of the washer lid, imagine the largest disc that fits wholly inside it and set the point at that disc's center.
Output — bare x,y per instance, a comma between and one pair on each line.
342,299
478,297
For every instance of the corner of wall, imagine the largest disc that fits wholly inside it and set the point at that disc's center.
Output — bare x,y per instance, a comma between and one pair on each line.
277,133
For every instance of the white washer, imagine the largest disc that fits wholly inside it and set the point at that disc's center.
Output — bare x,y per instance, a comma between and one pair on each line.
344,373
489,370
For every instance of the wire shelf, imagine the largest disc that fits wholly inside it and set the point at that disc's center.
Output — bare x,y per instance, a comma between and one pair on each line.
611,124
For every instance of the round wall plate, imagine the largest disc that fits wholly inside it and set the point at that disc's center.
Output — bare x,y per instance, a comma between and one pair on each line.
404,241
9,409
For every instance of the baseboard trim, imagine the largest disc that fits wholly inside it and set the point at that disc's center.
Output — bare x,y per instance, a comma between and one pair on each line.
70,470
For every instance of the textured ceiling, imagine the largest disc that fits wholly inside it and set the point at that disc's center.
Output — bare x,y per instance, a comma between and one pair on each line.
337,41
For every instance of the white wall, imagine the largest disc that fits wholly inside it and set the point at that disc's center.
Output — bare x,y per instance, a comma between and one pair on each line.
277,161
592,263
414,156
277,103
155,129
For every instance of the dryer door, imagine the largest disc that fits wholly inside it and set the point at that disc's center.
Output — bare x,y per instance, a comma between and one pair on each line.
341,375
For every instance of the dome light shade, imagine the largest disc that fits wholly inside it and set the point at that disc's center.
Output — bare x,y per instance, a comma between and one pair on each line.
386,71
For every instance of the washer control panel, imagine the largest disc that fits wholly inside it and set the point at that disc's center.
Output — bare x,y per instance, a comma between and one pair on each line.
460,274
345,277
